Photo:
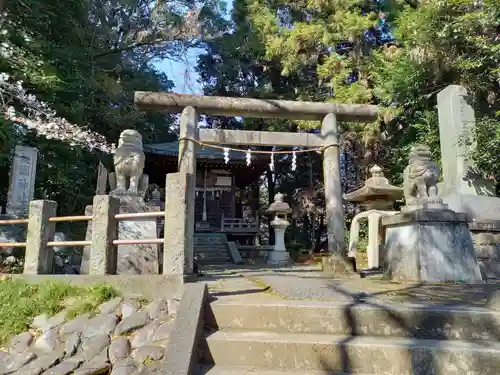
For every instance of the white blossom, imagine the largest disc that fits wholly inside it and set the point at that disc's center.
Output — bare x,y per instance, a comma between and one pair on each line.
23,108
38,116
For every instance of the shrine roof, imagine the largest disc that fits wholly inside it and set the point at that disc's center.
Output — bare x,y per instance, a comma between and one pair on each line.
172,149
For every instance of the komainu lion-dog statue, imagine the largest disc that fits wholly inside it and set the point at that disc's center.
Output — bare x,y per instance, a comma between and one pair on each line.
129,161
420,176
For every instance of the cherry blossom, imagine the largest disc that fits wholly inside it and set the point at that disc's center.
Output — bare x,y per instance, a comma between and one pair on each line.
37,115
23,108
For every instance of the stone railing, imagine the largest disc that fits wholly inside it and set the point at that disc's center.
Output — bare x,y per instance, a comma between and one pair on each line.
39,254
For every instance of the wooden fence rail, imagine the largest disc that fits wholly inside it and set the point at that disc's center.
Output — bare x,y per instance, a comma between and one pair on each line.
14,221
39,243
12,244
139,215
60,219
69,243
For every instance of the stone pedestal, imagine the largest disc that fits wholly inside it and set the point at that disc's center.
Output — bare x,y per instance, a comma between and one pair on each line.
132,259
484,212
279,255
480,208
430,246
486,238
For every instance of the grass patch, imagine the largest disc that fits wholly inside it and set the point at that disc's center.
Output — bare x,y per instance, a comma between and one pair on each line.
20,302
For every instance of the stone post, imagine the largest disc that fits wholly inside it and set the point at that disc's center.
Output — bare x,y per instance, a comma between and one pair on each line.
333,188
187,165
103,253
333,195
39,257
373,249
176,243
187,148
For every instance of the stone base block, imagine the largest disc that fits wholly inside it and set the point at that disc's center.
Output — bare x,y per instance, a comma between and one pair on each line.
478,207
434,203
430,246
132,259
277,257
486,238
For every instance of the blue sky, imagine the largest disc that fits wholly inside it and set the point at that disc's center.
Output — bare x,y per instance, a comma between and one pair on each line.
183,73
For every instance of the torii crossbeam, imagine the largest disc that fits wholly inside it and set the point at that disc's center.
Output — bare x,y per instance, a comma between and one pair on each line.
191,106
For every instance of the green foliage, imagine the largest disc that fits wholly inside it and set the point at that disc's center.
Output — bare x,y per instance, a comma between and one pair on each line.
438,43
85,59
20,302
292,50
362,238
487,135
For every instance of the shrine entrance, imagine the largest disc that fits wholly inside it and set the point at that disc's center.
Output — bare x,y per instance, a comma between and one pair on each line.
191,137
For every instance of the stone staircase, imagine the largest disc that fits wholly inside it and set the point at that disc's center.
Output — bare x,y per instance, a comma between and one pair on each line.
278,337
211,248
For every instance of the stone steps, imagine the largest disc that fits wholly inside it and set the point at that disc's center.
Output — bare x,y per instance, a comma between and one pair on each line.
210,242
238,370
312,337
352,354
212,257
214,261
364,319
211,248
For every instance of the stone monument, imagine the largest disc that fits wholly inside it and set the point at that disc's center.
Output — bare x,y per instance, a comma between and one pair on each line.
21,191
129,184
460,175
376,197
22,180
463,188
427,242
280,210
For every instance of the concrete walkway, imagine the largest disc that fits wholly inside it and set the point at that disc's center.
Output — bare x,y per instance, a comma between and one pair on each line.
303,282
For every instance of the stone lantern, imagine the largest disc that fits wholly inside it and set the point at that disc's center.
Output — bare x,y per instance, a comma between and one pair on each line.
280,210
376,197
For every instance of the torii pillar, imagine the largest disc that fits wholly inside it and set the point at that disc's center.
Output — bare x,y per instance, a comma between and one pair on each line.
329,113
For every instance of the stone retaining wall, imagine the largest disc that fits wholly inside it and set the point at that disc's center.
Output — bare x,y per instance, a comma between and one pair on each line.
123,338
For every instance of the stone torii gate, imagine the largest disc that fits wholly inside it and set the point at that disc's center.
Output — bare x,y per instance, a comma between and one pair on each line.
191,106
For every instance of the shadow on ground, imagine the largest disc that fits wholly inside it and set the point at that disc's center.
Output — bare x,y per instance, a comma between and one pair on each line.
423,360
